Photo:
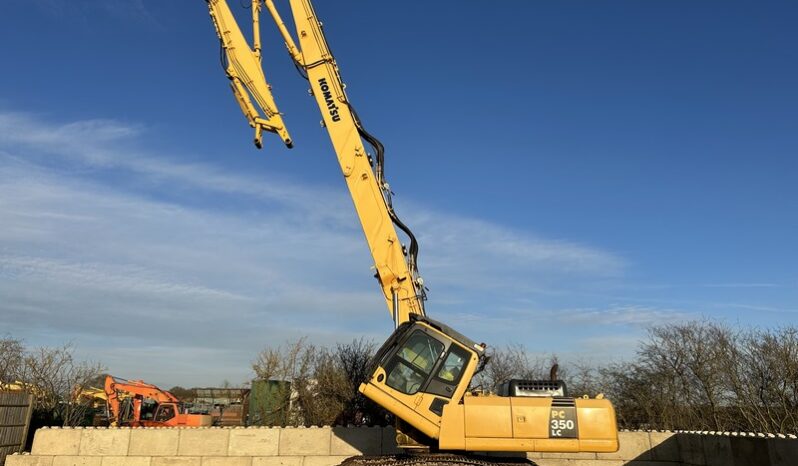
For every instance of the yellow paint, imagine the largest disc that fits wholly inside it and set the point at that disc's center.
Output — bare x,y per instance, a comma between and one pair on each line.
488,417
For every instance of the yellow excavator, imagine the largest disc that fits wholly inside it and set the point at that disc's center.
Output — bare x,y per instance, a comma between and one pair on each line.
422,374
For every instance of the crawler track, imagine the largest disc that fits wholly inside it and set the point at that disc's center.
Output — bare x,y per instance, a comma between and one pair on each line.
432,459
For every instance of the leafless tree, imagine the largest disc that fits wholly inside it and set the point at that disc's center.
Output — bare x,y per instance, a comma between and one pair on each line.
515,362
323,382
583,379
53,376
56,380
764,379
290,364
704,375
354,359
689,361
12,353
183,394
323,397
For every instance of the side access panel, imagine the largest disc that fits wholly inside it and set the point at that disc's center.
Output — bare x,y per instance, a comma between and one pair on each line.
488,417
498,423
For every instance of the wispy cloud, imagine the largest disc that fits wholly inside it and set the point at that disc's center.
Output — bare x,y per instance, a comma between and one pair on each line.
109,144
461,243
82,254
642,316
84,10
760,308
741,285
609,347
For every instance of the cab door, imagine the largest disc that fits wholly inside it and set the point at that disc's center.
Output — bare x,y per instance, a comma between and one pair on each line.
445,379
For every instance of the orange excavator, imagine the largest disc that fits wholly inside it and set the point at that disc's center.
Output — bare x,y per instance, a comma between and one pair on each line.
169,411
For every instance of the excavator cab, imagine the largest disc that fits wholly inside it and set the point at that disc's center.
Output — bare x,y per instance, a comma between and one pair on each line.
165,412
422,375
421,368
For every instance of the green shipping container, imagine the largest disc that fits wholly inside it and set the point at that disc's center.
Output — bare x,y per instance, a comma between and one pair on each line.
269,402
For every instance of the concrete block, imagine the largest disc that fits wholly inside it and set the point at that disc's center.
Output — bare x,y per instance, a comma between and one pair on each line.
176,461
388,446
29,460
153,442
314,441
654,463
226,461
324,460
507,454
353,441
203,442
664,446
77,461
554,462
126,461
782,451
277,461
594,462
601,462
570,456
104,442
63,442
254,442
633,446
751,451
717,450
691,449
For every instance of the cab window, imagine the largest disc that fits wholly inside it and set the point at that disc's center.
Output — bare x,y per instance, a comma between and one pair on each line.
453,365
413,363
165,413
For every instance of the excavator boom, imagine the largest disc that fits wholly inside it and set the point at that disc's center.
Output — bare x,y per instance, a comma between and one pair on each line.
395,265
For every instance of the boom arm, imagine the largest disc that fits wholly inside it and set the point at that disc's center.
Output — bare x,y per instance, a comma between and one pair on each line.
244,70
395,266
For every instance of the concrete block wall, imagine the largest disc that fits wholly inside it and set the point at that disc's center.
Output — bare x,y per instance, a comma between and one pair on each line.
328,446
214,446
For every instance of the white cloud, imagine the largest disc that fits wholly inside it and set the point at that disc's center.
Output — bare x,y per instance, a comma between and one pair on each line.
741,285
456,249
122,264
108,144
609,348
624,315
83,10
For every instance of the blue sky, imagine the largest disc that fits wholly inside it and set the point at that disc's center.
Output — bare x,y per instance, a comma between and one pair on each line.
575,171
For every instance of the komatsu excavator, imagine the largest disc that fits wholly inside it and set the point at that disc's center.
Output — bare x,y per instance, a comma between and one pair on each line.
422,373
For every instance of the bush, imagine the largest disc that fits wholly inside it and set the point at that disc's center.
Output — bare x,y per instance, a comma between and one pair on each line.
322,382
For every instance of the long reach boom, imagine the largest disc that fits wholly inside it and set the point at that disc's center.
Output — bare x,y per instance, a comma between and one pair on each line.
395,265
